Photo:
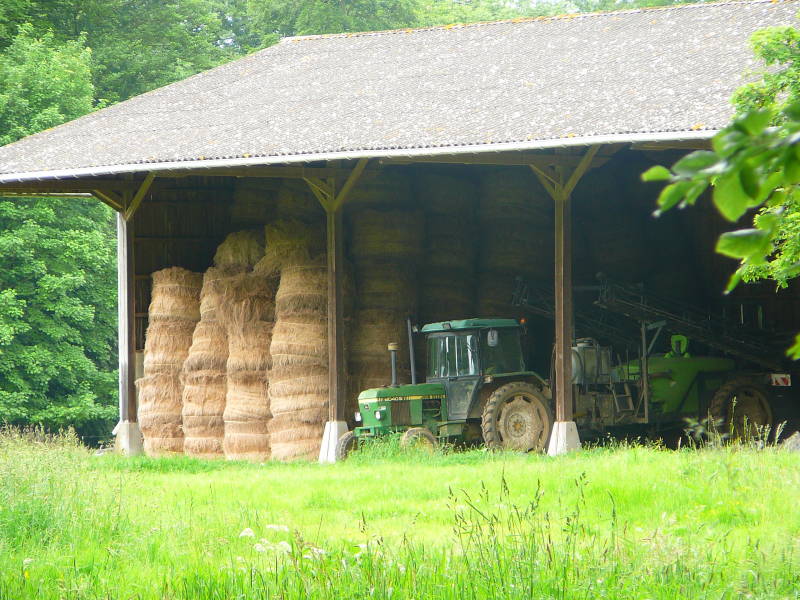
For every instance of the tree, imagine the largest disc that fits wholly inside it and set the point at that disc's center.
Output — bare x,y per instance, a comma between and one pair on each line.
42,84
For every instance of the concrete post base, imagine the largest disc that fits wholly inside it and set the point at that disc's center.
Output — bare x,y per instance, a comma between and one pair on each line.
564,438
333,431
129,438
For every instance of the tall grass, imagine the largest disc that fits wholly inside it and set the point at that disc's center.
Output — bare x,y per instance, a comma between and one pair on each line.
615,522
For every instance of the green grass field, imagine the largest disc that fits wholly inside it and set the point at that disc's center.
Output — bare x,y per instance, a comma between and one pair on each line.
624,522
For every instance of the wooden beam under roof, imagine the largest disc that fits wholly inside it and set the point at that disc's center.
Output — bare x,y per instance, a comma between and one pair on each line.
521,159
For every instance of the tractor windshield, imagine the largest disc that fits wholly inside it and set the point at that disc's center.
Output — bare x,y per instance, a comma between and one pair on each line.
503,357
453,355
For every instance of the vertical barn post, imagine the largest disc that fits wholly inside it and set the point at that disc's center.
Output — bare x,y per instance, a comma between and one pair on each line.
564,436
129,437
333,202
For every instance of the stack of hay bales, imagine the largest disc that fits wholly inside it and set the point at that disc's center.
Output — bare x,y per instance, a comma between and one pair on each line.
249,319
204,381
295,201
298,388
174,311
515,236
254,201
247,312
385,246
447,273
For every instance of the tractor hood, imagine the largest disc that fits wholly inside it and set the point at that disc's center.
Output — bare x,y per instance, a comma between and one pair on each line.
420,390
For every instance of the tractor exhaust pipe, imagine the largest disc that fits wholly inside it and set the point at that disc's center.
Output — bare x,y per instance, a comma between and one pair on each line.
393,353
411,356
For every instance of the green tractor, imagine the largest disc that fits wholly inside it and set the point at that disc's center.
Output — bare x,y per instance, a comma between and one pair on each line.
477,389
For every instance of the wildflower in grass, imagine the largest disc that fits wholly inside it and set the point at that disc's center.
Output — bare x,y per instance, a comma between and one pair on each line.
258,547
284,547
247,532
283,528
26,562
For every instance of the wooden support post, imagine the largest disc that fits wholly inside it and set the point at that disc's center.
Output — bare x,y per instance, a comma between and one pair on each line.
127,431
333,202
564,436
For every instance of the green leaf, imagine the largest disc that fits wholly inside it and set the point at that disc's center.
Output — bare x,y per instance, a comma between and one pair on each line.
728,141
730,198
792,111
733,281
694,162
672,194
754,122
744,243
794,351
657,173
750,181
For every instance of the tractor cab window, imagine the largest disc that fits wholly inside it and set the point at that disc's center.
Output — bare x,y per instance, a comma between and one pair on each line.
503,354
452,355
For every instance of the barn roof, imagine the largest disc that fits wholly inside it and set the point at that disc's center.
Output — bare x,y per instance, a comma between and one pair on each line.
639,75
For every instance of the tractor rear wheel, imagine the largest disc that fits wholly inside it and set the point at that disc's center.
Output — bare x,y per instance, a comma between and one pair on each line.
419,438
742,405
345,445
517,417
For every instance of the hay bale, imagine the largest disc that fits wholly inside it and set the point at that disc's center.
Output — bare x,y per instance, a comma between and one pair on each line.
166,346
303,290
246,440
448,294
297,435
390,236
248,347
387,188
445,194
495,295
248,297
175,295
254,202
289,242
202,413
299,341
513,192
247,397
209,349
387,287
298,388
159,413
240,249
296,201
216,282
373,330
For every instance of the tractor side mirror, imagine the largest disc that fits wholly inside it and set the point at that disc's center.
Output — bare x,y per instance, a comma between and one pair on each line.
492,338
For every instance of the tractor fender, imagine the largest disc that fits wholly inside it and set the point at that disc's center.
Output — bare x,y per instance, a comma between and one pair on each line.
487,389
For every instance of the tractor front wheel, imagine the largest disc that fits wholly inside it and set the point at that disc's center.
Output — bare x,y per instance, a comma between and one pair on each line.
742,405
418,438
517,417
345,445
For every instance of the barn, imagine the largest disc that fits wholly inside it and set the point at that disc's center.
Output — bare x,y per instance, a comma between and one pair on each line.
485,170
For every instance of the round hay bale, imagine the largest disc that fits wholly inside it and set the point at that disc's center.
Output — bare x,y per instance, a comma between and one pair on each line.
386,188
247,397
175,295
297,388
446,195
303,289
159,413
248,346
209,349
296,201
254,202
246,440
212,295
166,346
495,295
289,242
240,249
386,236
297,435
248,297
513,192
204,394
447,295
299,340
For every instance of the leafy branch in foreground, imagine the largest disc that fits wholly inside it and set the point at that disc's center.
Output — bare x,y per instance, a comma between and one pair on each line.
753,165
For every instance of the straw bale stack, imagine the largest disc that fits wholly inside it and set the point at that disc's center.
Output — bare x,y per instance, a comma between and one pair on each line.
385,189
515,236
173,314
298,388
241,249
447,275
296,201
373,329
254,202
386,236
249,314
289,242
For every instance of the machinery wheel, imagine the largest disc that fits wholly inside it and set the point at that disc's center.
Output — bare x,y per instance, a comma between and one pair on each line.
345,445
741,403
517,417
418,438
